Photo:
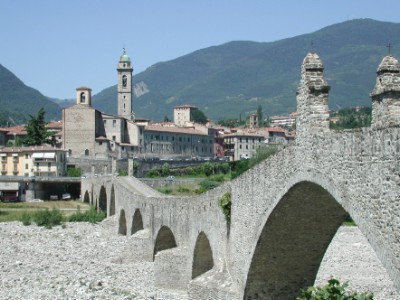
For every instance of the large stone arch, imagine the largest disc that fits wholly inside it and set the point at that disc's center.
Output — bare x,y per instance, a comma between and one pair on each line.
165,240
122,223
86,198
112,201
293,242
202,257
137,222
103,199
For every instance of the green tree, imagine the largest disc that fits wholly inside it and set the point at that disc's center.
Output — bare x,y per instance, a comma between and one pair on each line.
198,116
74,172
260,116
37,133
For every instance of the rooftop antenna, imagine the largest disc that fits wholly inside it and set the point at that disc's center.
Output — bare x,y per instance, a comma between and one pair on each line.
312,46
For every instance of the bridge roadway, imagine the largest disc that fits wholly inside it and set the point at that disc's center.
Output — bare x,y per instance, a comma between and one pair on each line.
284,211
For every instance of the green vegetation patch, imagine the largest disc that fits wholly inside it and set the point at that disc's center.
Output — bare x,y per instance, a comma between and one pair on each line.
225,204
333,291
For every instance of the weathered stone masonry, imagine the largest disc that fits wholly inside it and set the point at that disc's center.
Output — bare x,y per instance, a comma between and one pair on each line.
285,211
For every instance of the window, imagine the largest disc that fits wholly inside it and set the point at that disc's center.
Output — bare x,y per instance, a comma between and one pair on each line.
26,155
26,167
82,97
87,152
105,122
114,123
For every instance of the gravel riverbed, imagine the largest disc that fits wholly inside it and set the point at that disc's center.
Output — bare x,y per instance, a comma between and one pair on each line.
76,262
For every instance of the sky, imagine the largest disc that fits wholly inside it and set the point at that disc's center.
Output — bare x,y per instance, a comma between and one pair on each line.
57,46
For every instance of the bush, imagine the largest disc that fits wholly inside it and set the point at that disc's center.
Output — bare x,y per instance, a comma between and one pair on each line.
91,216
332,291
48,218
25,218
74,172
225,204
208,184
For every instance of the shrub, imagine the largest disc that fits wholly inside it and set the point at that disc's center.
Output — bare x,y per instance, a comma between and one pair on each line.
165,169
208,184
182,189
332,291
225,204
91,216
25,218
48,218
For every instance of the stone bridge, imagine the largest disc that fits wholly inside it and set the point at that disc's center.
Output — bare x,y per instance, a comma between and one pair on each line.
285,211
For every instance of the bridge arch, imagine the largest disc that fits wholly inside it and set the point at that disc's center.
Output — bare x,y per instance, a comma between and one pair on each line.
137,222
293,242
86,198
202,257
112,201
165,240
122,223
103,199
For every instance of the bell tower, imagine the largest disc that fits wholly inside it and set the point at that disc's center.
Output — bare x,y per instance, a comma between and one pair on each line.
125,86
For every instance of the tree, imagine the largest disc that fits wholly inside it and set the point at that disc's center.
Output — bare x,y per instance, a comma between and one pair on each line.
198,116
260,116
37,133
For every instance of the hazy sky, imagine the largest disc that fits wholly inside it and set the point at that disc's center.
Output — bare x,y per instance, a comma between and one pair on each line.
57,46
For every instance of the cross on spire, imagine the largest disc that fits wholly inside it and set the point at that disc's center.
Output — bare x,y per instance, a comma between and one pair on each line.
312,45
389,47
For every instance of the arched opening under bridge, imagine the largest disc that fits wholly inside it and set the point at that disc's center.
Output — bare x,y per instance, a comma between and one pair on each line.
122,223
293,242
202,256
165,240
103,199
112,201
86,198
137,222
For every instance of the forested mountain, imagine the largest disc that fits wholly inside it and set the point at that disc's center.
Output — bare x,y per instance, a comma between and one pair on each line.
234,78
18,101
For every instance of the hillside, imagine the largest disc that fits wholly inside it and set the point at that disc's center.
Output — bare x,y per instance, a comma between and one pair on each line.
17,100
234,78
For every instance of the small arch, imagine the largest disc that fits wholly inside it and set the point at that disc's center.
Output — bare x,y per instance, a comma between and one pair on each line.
112,201
86,152
202,257
165,240
137,222
86,198
83,97
103,199
124,80
122,223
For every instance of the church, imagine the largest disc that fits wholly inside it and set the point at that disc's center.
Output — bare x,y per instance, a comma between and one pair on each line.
92,136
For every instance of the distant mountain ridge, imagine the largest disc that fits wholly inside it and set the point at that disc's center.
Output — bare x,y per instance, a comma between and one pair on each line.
18,101
234,78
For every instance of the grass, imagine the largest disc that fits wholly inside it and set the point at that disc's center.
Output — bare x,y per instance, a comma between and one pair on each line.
14,211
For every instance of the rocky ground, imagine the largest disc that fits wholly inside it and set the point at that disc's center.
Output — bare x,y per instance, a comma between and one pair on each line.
76,262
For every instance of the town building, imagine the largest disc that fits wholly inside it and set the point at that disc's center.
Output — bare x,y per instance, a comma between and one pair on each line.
32,161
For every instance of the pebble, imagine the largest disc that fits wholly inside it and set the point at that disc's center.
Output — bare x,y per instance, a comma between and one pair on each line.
76,262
